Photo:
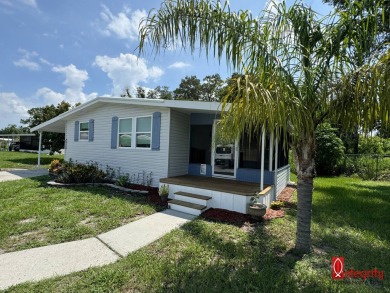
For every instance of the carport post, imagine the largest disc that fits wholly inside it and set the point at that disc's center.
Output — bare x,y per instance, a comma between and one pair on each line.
39,149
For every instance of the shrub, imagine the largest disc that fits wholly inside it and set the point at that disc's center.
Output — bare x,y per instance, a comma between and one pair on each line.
329,151
277,204
123,180
81,173
55,167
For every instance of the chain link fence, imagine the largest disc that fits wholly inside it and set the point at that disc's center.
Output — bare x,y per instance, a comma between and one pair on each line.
368,166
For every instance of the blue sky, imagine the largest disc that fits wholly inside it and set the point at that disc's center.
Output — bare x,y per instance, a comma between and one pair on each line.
78,50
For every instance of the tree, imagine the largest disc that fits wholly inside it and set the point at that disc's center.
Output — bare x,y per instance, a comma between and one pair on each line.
13,129
289,58
41,114
152,94
140,93
126,93
189,89
163,92
210,87
329,150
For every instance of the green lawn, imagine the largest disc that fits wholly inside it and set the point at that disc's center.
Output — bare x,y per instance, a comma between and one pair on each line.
351,218
33,214
25,160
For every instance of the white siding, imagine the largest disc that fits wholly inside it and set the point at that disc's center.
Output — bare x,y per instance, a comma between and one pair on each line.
129,160
283,177
179,143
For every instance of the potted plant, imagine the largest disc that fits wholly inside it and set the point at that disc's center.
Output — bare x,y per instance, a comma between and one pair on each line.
164,192
256,210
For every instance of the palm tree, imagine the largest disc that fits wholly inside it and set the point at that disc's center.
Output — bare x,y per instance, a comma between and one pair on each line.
296,70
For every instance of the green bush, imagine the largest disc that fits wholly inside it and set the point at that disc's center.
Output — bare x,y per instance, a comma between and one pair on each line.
329,151
81,173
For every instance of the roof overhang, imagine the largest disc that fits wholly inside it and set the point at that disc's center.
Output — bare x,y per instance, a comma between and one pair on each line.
57,124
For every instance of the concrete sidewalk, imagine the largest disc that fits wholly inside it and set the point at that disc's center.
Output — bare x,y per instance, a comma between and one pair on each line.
16,174
49,261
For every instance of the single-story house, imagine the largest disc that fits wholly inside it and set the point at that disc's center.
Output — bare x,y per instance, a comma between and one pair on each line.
176,141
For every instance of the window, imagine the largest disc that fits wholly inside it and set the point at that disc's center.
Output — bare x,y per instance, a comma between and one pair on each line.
84,130
144,132
135,132
125,132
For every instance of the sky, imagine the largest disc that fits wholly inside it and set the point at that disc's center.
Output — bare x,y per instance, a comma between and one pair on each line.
75,51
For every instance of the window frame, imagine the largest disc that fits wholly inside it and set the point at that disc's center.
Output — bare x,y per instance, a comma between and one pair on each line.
143,132
131,133
83,131
134,132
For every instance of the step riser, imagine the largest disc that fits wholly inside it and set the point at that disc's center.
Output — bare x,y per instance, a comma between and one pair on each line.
187,210
189,199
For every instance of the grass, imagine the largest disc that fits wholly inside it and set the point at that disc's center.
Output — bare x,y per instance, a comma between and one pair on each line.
33,214
25,160
350,218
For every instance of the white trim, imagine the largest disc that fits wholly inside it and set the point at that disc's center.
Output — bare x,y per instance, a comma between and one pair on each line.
39,149
151,129
262,159
271,151
276,167
131,133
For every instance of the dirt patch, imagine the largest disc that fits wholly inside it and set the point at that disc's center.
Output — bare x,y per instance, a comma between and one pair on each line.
27,221
287,194
89,222
37,235
272,214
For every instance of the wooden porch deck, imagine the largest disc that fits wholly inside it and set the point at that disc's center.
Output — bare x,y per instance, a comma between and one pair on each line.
216,184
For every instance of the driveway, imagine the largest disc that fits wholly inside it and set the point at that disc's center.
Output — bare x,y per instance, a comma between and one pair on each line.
16,174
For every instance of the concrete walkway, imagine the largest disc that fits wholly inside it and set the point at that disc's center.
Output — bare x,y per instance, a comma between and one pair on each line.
16,174
49,261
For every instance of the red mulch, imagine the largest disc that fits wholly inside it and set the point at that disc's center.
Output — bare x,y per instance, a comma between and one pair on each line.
221,215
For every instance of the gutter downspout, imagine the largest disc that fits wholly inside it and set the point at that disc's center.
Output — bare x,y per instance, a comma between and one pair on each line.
39,149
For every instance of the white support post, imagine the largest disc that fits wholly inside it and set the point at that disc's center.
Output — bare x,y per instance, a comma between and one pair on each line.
276,168
271,151
262,160
39,149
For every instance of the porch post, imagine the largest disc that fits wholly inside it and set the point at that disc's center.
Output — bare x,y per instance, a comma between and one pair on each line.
276,167
39,149
262,160
271,151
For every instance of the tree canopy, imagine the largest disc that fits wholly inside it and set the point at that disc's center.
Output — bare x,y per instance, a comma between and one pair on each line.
296,69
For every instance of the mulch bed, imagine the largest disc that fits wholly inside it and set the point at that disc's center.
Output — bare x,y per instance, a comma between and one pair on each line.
153,196
221,215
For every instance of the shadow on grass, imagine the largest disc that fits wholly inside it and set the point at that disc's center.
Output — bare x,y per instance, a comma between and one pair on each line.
45,160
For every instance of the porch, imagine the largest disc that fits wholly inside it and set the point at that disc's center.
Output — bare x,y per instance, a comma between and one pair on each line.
195,194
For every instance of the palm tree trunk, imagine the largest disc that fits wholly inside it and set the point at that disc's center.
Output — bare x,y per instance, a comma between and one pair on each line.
304,152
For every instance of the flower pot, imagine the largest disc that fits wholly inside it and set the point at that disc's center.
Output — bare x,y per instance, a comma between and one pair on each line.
256,211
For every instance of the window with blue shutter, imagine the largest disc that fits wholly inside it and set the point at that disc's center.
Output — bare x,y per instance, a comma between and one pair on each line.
91,131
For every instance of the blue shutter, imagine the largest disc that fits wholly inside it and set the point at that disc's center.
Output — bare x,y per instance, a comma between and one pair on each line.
91,130
76,130
114,132
156,128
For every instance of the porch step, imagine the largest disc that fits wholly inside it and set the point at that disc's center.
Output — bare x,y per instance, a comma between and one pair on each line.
198,196
186,207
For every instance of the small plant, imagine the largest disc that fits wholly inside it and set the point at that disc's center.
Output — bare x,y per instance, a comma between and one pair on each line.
123,180
55,167
81,173
164,190
256,209
277,204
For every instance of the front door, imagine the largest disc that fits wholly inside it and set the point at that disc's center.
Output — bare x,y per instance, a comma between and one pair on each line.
224,159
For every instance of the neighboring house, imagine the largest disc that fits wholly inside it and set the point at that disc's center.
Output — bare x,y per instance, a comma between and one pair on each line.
176,141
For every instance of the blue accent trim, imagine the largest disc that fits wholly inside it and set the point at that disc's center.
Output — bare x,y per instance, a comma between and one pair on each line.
76,130
156,129
114,132
91,130
194,169
253,175
203,119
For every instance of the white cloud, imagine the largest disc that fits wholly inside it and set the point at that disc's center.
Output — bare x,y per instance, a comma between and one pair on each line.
127,70
31,65
179,65
13,3
13,108
31,3
125,25
26,61
75,83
